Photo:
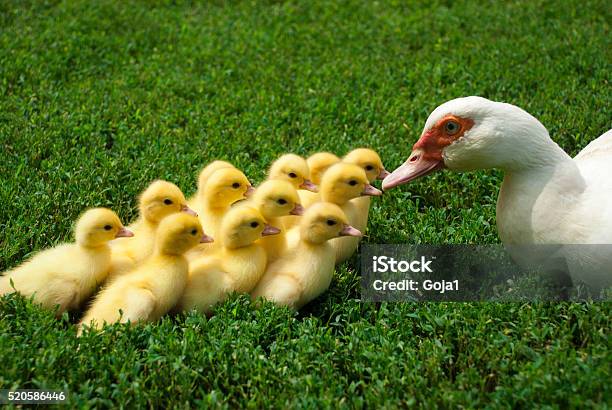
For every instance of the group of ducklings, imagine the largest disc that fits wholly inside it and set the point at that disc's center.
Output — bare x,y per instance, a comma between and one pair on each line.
279,241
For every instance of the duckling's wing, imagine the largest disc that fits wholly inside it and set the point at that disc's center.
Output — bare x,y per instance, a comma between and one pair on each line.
139,305
282,289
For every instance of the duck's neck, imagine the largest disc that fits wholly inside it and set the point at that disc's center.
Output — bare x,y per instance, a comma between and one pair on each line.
95,248
149,224
329,196
213,205
163,254
535,196
543,154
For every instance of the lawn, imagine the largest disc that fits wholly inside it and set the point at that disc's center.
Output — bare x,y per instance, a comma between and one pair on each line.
99,98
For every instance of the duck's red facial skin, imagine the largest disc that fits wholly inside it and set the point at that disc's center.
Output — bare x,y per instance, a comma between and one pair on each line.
426,154
434,140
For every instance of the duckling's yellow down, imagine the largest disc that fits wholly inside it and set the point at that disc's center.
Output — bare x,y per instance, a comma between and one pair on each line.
160,199
236,267
305,271
368,160
153,288
276,200
68,274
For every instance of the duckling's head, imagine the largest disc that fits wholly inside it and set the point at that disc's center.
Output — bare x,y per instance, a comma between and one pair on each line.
275,198
97,226
242,226
292,168
324,221
178,233
343,182
226,186
161,199
369,160
208,170
318,164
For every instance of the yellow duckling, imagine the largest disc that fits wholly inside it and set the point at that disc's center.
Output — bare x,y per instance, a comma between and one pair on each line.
222,188
371,163
341,183
276,200
238,265
159,200
292,168
317,164
305,271
153,288
205,173
68,274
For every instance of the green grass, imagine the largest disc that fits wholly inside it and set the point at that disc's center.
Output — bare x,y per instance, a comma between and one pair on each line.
99,98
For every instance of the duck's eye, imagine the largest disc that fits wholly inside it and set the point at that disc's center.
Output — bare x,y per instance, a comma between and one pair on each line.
107,227
282,201
168,201
254,224
194,232
352,182
369,167
292,175
331,222
236,185
451,127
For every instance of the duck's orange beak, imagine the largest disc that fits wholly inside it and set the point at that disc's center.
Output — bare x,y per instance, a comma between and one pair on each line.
348,230
297,210
206,239
270,230
308,185
188,210
371,191
123,232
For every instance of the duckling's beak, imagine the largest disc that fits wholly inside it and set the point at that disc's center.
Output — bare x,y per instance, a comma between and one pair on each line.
206,239
297,210
308,185
383,174
123,232
270,230
188,210
250,191
348,230
371,191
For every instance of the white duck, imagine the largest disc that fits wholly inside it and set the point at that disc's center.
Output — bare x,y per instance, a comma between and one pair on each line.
546,196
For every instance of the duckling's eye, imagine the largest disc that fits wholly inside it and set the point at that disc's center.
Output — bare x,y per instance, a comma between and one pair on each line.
236,185
107,227
254,224
352,182
282,201
168,201
451,127
292,175
331,222
369,167
194,232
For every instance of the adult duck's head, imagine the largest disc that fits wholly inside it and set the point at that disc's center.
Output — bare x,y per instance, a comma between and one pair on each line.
473,133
